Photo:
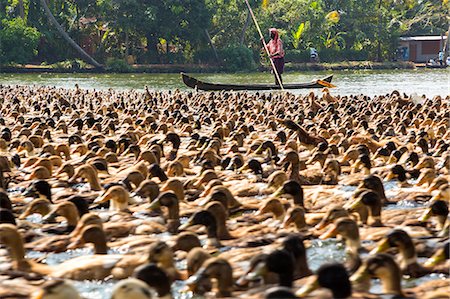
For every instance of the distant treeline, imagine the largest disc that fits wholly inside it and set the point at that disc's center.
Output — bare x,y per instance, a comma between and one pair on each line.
117,33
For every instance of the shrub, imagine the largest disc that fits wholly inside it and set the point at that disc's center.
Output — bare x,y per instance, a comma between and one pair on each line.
297,55
327,55
117,65
70,64
18,42
236,58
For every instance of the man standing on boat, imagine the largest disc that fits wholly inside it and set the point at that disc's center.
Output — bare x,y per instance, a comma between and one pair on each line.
276,51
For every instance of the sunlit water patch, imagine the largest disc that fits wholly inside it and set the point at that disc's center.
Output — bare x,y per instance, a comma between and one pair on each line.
95,289
376,286
325,251
404,205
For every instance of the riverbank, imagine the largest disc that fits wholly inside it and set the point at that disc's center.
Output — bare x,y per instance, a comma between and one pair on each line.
201,68
371,81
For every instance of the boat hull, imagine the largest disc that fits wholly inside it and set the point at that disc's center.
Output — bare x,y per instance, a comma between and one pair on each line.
197,84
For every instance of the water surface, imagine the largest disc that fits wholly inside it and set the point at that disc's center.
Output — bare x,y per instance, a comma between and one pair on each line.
369,82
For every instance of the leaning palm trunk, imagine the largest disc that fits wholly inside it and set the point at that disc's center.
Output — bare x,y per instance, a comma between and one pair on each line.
85,56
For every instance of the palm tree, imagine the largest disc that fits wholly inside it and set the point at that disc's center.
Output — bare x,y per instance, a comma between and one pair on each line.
85,56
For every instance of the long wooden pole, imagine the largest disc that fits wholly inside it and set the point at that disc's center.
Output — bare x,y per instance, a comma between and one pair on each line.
265,46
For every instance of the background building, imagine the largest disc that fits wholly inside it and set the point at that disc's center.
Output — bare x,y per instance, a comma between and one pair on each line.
420,48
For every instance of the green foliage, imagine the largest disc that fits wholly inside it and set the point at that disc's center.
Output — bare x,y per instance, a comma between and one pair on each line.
18,42
116,29
296,35
70,64
237,58
297,55
327,55
117,65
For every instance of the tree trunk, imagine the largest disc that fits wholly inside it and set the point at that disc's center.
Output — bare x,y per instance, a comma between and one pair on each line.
152,47
212,45
379,58
126,44
244,29
21,9
85,56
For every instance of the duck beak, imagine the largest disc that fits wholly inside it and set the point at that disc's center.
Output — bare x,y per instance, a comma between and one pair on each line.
360,276
288,221
308,288
30,192
101,199
258,272
382,247
50,217
198,284
76,244
38,295
390,176
436,259
426,215
259,150
245,167
355,205
330,233
192,282
242,281
357,164
154,204
279,192
321,224
24,215
186,225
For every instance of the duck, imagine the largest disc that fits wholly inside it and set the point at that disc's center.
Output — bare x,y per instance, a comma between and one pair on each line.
40,206
56,289
296,216
438,209
170,200
335,212
331,276
162,255
441,255
118,196
156,278
67,210
348,229
374,183
383,267
132,288
294,189
79,268
407,251
91,234
213,268
280,262
207,219
367,204
89,173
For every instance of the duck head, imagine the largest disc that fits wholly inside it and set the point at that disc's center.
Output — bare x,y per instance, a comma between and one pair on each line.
380,266
217,268
332,276
292,188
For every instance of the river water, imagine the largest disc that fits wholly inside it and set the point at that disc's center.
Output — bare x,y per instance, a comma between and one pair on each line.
430,82
368,82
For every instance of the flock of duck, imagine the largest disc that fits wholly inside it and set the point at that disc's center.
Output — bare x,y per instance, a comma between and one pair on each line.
223,194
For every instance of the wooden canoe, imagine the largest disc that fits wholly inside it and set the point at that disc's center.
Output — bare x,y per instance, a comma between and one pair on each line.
197,84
